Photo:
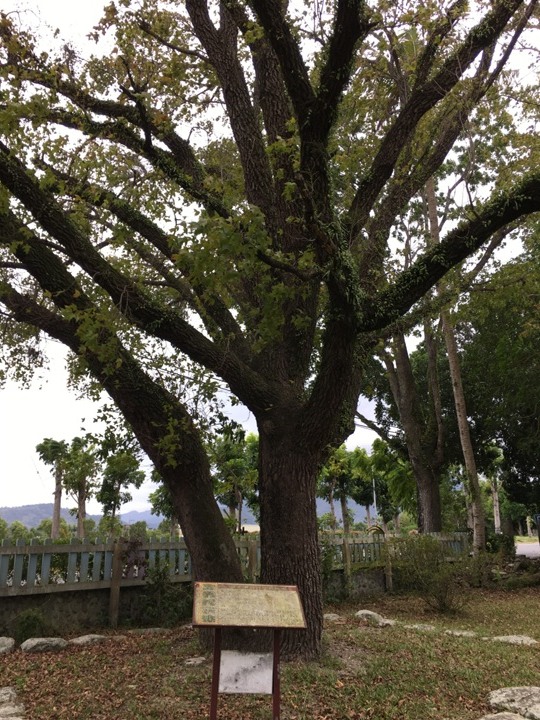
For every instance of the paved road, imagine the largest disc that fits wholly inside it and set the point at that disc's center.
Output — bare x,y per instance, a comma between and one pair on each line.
531,550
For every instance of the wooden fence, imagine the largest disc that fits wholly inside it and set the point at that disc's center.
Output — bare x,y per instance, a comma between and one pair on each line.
369,549
44,567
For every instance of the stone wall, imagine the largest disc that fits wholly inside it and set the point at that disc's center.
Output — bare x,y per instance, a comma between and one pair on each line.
71,611
363,583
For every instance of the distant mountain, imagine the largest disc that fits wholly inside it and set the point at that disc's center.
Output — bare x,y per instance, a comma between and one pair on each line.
32,515
146,516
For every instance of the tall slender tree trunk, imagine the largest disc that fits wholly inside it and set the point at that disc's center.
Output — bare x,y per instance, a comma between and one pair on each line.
429,497
478,515
346,537
369,521
57,506
496,506
81,510
333,517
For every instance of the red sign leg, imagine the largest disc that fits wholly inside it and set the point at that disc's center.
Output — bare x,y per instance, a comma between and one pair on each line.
215,674
276,690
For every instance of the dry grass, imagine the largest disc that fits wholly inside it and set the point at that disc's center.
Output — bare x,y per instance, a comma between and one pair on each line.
380,673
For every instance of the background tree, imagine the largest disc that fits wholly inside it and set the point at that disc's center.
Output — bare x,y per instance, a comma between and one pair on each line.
121,470
500,322
234,470
394,483
17,531
257,259
53,452
80,468
362,491
337,481
44,530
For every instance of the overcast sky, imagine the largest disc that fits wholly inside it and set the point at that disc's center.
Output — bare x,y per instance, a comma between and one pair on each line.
48,408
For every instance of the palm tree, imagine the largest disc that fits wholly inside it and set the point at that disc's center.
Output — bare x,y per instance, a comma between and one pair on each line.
53,452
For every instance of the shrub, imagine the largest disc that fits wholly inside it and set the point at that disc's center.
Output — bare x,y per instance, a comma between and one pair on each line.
502,546
332,589
30,624
164,603
422,565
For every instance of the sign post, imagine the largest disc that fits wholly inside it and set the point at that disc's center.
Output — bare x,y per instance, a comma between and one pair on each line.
219,605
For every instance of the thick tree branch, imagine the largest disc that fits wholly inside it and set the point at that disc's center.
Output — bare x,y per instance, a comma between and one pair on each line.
293,68
218,320
220,45
351,24
164,161
422,99
126,294
410,286
269,87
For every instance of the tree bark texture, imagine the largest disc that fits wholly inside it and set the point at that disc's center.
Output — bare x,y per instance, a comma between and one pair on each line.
290,551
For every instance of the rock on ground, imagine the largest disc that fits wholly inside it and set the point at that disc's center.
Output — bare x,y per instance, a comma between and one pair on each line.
373,618
523,700
88,639
6,644
8,706
423,627
516,639
51,644
502,716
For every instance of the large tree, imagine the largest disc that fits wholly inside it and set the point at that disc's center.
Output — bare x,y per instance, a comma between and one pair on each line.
222,187
500,322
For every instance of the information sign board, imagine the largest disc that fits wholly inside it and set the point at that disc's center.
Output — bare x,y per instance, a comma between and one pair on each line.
220,605
247,605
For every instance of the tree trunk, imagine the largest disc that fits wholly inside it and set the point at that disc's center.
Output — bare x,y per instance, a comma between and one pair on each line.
496,506
289,536
423,449
346,546
81,510
55,527
478,516
369,522
332,504
429,498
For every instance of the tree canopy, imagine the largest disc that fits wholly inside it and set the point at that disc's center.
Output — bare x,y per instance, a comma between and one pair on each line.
215,202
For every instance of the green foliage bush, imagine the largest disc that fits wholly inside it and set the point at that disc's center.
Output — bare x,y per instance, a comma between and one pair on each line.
164,603
502,546
327,549
31,624
423,565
